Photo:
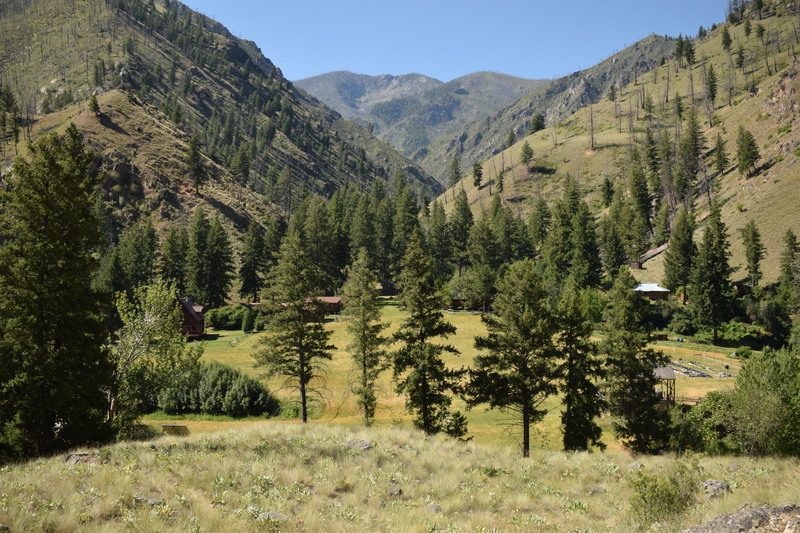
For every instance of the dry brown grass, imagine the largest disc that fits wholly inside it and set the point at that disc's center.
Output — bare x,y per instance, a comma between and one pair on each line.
317,478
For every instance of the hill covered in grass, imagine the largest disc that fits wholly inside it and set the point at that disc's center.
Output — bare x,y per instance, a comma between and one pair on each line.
290,477
556,100
412,110
260,136
593,143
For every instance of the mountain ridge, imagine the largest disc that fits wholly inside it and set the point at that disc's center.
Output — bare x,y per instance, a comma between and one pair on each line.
412,110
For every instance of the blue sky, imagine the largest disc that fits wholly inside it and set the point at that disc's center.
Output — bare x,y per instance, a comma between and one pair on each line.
446,39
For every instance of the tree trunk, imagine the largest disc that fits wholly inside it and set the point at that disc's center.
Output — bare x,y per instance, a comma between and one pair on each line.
303,403
526,430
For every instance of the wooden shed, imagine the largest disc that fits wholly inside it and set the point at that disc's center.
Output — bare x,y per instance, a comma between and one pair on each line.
666,380
194,323
652,291
332,305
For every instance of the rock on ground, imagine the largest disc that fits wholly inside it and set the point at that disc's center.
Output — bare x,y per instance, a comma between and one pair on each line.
751,519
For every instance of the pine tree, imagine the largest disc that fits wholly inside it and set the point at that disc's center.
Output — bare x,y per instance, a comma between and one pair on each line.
138,255
174,250
94,107
581,369
607,191
637,187
753,251
55,367
404,224
526,155
614,255
295,344
461,222
518,374
711,85
585,264
195,168
419,371
721,160
680,255
638,418
477,174
362,231
198,261
746,152
439,243
710,292
220,271
511,139
726,39
787,282
363,314
251,275
538,226
455,174
240,164
689,150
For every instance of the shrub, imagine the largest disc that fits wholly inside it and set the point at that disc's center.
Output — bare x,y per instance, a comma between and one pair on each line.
667,493
248,321
228,317
744,352
217,389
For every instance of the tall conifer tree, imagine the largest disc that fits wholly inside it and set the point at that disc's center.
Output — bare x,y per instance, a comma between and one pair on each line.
363,314
295,344
419,370
54,365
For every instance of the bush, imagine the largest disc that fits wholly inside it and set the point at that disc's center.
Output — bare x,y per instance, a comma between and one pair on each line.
681,322
667,493
228,317
217,389
744,352
248,321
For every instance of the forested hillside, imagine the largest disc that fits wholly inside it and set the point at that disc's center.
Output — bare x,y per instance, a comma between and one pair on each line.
198,84
672,139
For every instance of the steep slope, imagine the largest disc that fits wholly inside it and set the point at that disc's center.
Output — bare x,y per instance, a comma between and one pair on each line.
411,111
262,135
555,100
763,99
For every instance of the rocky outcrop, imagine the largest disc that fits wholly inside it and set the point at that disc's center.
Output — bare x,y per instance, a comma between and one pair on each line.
751,519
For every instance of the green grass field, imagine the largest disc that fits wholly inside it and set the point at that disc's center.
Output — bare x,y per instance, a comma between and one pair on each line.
485,426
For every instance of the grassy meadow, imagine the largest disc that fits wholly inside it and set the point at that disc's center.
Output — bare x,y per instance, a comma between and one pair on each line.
485,426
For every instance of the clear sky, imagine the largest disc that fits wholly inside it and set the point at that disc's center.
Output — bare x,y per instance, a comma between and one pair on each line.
445,39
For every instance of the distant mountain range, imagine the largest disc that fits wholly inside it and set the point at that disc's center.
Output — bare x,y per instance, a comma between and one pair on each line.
412,110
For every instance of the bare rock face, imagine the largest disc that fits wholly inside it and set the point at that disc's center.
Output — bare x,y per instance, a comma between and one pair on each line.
752,519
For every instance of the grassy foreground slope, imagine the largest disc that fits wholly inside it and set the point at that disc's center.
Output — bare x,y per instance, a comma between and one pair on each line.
289,477
769,111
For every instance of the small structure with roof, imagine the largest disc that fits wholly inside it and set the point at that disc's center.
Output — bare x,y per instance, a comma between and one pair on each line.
332,305
666,380
194,323
652,291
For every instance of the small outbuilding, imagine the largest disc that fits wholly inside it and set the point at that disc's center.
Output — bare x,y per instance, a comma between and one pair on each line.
666,380
194,323
652,291
332,305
